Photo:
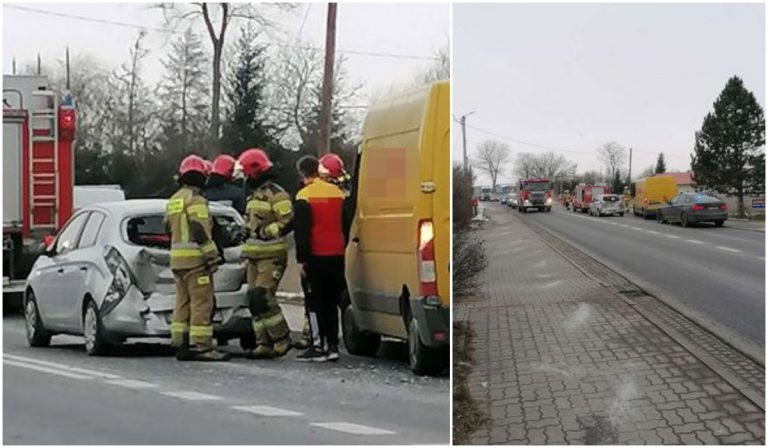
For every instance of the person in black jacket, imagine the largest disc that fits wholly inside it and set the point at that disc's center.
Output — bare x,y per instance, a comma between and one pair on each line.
220,187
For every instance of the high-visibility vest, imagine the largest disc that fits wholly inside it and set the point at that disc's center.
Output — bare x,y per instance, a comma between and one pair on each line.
185,207
269,211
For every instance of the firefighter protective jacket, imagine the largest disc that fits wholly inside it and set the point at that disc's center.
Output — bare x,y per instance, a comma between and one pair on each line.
189,223
269,212
318,224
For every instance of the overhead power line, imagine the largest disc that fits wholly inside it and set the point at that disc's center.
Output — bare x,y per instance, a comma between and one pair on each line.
550,148
170,31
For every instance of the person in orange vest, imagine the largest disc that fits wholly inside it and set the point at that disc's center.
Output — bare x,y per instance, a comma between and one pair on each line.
318,231
269,213
194,258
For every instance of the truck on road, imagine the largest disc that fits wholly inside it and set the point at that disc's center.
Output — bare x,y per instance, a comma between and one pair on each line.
583,194
38,171
536,193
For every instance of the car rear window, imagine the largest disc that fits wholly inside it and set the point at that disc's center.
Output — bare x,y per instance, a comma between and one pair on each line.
704,199
149,231
611,198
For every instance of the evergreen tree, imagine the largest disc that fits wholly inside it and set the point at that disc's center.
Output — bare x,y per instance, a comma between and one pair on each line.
618,184
729,152
184,94
661,166
246,123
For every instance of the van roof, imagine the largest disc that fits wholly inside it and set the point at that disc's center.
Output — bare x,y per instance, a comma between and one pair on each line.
401,111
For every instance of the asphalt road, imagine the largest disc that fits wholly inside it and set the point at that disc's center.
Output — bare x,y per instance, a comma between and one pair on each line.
142,395
714,275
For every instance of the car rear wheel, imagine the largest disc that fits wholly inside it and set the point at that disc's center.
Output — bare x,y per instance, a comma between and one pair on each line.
423,360
357,341
719,223
37,335
684,220
93,330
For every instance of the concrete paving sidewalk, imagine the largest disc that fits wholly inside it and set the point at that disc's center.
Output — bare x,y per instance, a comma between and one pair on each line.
746,224
562,359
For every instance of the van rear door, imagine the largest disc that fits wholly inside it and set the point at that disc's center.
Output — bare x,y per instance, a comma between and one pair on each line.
440,107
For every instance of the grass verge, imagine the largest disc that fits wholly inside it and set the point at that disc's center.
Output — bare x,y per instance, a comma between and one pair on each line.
467,416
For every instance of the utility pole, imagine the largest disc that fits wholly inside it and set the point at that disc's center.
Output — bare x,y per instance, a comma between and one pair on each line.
38,64
630,166
14,65
324,143
464,137
67,67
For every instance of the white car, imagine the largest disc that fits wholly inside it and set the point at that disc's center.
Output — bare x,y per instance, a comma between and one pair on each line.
607,204
106,276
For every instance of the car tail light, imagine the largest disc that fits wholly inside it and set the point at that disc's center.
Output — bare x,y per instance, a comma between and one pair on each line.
697,207
723,207
427,275
122,279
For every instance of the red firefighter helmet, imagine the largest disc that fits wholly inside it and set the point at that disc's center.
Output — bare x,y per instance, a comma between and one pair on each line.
331,165
193,163
254,162
224,165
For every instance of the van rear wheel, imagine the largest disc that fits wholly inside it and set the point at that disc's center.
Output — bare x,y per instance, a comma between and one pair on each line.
423,360
357,341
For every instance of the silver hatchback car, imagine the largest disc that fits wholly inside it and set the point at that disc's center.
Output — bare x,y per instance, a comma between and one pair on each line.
107,276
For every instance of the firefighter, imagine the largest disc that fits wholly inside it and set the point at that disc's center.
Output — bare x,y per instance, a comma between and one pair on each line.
194,258
318,230
269,213
221,188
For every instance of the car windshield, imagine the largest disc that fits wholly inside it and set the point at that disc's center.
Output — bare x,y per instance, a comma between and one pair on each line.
537,186
149,230
610,198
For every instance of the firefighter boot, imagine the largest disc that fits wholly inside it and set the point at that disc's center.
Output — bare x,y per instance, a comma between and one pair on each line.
183,353
208,354
281,347
305,340
261,351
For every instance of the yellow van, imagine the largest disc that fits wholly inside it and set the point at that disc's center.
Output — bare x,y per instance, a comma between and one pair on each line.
651,193
398,257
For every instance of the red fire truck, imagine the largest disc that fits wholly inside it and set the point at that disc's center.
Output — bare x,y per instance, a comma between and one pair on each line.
38,171
583,194
535,193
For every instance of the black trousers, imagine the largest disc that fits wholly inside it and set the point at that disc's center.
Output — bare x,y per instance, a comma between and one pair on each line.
326,282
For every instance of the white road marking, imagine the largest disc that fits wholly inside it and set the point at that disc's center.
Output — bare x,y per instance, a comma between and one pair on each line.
132,384
65,367
672,236
695,241
623,225
653,232
191,395
267,411
728,249
550,285
761,258
40,368
540,264
352,428
635,228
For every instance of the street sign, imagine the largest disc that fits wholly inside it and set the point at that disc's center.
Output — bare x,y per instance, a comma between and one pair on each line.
758,203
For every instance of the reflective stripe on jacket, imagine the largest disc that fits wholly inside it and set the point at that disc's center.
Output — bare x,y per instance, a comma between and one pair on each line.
189,223
269,212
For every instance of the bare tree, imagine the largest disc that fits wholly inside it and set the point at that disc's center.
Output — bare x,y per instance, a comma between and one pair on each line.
217,18
613,156
491,158
553,166
439,69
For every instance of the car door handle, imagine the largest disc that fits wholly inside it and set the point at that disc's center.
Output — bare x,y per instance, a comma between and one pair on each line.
60,270
83,268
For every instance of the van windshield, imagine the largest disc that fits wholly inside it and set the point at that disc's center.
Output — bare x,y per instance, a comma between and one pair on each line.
149,231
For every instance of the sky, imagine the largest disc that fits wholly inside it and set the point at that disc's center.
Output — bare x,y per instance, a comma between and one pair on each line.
403,29
574,76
